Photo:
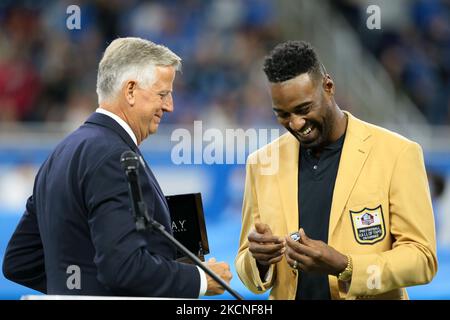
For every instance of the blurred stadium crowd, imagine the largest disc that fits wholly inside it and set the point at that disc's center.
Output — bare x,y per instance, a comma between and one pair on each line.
48,74
413,47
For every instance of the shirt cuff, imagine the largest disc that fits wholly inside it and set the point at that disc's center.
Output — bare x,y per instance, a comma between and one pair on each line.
203,282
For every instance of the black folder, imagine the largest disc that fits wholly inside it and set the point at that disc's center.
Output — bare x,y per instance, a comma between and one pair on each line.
188,224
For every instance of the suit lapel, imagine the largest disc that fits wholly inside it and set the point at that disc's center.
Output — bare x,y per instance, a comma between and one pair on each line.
153,180
357,146
288,180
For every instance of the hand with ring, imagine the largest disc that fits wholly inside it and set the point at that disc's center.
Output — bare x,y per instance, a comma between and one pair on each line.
309,255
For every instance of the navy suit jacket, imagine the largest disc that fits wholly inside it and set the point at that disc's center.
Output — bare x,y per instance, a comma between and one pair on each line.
79,215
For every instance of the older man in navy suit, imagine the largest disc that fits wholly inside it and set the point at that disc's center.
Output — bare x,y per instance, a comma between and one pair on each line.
78,218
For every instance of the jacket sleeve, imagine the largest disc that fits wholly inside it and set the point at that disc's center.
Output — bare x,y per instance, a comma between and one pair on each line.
412,260
23,262
245,264
124,257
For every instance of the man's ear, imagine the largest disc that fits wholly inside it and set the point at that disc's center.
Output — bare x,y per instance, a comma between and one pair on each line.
130,92
328,84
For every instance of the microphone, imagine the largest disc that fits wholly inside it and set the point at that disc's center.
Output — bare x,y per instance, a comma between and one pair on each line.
130,164
129,161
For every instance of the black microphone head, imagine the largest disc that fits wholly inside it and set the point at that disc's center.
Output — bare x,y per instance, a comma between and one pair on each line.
129,161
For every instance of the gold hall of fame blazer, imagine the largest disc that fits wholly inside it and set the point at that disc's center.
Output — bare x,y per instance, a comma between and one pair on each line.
381,214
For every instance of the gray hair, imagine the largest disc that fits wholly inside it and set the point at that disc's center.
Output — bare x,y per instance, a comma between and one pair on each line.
131,59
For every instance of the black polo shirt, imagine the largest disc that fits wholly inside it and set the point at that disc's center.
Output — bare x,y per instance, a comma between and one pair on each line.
316,178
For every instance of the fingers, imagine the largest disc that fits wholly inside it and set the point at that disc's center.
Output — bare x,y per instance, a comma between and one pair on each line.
263,233
222,269
291,262
276,259
220,290
226,275
255,247
305,239
266,254
294,255
304,263
306,256
255,236
268,249
303,248
214,289
262,228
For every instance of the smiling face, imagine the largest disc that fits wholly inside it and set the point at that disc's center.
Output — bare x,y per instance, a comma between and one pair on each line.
149,103
305,107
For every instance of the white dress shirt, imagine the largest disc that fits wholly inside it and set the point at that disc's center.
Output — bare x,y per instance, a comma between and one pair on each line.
126,127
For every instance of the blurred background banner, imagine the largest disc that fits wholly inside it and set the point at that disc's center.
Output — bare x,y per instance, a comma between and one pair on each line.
390,61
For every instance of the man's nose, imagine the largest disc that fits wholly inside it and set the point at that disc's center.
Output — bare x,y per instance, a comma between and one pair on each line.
296,122
168,105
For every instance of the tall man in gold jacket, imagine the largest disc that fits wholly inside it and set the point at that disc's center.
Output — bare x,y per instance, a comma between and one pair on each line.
356,193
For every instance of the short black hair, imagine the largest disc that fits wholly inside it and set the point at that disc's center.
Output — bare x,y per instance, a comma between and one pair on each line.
290,59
